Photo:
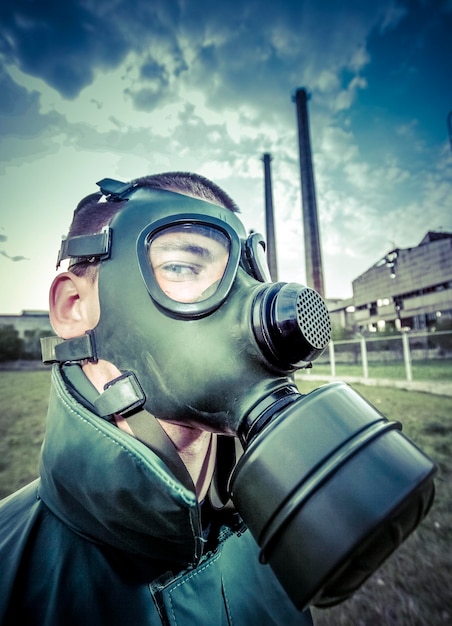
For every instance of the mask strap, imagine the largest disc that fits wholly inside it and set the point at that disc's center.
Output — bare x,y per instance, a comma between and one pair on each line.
115,190
146,428
229,450
86,247
57,350
122,396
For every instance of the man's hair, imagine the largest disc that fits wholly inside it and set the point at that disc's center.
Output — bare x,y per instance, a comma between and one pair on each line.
90,215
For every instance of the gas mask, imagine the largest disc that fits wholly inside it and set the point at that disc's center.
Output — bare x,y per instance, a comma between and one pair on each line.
326,484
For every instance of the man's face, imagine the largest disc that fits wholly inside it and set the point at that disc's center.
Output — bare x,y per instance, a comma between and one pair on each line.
188,263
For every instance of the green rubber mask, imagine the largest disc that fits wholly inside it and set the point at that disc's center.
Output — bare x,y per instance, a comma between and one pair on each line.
186,306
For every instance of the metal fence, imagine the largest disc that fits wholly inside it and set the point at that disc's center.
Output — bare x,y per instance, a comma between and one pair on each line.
400,351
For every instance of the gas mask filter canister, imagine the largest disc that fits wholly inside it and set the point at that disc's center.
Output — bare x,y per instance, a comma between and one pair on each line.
326,484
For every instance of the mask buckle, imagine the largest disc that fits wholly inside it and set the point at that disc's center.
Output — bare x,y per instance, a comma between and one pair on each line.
253,260
122,396
115,190
86,247
58,350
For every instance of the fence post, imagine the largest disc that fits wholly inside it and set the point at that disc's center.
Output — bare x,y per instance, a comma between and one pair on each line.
332,359
407,357
364,357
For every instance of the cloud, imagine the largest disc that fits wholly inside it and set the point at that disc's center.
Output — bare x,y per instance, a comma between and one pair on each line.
19,109
13,258
336,146
408,129
151,87
25,132
4,238
346,97
394,14
60,42
232,50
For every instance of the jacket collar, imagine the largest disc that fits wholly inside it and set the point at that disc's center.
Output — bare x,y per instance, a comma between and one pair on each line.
110,488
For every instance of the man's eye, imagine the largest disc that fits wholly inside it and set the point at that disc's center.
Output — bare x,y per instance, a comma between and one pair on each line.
180,271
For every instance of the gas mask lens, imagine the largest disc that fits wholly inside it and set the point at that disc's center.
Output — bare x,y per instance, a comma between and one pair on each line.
189,260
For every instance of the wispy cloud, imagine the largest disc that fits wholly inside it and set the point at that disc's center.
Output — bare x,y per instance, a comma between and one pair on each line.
13,258
4,238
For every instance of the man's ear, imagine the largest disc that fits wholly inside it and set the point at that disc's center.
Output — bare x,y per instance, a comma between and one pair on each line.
74,305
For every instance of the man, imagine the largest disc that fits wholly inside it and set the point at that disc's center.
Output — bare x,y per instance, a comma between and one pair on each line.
130,521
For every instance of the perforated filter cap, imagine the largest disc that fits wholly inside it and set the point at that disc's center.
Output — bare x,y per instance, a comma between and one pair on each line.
313,318
292,325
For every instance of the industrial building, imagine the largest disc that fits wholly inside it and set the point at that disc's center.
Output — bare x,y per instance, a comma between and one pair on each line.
409,288
27,322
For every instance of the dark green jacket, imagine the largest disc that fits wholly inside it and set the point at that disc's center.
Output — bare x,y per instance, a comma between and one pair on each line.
108,536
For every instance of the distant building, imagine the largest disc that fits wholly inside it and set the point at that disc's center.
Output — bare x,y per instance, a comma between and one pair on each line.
341,312
407,288
27,322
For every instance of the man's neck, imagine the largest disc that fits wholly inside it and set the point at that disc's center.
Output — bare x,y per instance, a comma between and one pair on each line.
197,449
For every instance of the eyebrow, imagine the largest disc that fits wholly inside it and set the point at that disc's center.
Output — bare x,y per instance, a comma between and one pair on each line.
183,246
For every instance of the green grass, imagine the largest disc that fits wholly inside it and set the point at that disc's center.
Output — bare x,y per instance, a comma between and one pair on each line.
411,589
429,370
23,407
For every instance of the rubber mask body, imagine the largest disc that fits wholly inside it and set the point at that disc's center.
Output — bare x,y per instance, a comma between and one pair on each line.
207,371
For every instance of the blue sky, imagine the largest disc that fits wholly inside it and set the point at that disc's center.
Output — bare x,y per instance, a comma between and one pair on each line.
129,87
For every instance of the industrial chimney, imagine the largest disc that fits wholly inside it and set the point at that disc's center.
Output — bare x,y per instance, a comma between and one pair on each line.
313,255
269,220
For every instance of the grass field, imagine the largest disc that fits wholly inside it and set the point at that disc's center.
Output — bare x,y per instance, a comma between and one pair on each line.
413,588
432,370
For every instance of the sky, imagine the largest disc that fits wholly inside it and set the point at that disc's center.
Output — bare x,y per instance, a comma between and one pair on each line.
124,88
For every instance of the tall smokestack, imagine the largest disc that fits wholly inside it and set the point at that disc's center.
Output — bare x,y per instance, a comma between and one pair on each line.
313,255
269,220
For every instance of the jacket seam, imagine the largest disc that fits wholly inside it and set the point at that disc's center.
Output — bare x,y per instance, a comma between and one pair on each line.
226,602
186,579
